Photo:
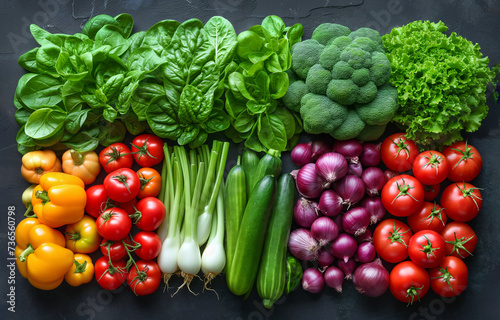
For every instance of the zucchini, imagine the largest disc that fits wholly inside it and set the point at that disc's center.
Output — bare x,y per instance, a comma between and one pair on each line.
240,276
250,161
269,164
271,278
235,203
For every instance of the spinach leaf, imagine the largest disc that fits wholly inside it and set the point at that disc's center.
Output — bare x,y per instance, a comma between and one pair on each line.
162,118
222,36
40,90
44,37
109,113
111,35
274,25
272,133
294,34
111,132
199,140
28,60
97,23
66,68
125,23
75,120
248,42
22,115
244,122
46,58
194,107
85,140
144,94
189,134
144,59
216,122
158,37
24,139
45,122
278,84
135,41
288,121
132,123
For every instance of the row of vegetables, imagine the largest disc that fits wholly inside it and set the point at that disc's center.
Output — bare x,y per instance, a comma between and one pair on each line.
364,205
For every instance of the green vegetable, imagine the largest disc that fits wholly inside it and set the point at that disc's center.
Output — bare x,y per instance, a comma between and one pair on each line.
294,273
272,270
340,83
256,79
235,203
250,161
269,164
441,81
241,276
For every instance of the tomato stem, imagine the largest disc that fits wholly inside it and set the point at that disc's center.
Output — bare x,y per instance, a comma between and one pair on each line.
136,216
404,190
433,161
123,179
401,146
466,154
458,244
428,249
412,292
445,275
115,154
396,235
144,181
143,150
435,213
470,193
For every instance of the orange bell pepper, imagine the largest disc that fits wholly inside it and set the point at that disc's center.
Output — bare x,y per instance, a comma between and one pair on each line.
46,265
37,163
84,165
82,236
59,199
82,270
30,232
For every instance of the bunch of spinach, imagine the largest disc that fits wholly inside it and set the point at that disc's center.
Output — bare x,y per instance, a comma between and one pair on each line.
183,102
256,79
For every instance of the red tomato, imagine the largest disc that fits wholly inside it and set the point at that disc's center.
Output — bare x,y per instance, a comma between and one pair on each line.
150,182
430,216
398,153
431,192
115,250
403,195
110,277
460,239
408,282
122,185
391,239
450,278
150,214
465,162
388,174
462,201
431,167
427,248
128,206
96,200
148,150
144,277
116,156
114,224
150,245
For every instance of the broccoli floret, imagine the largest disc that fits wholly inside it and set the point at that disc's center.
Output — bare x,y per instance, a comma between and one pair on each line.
350,128
367,93
356,57
342,91
361,77
330,56
326,31
305,54
370,133
341,42
342,70
365,44
381,69
296,90
320,114
318,79
368,33
380,110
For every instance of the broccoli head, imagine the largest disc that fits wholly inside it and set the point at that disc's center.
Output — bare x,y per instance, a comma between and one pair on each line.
337,69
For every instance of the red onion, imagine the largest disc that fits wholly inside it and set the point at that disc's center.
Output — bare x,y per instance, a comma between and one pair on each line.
331,166
302,245
374,207
371,279
301,154
325,257
365,237
366,252
338,221
389,174
330,203
374,180
344,246
334,278
355,169
309,183
324,230
319,148
356,221
347,267
351,149
350,188
305,212
312,280
370,156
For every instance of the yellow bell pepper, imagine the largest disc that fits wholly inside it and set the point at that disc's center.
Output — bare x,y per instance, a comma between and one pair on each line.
82,270
84,165
46,265
30,232
82,236
59,199
37,163
26,197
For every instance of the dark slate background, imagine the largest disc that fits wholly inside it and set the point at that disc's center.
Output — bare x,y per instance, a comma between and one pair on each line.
478,21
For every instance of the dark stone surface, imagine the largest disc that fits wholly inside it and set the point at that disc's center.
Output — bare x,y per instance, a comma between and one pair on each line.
478,21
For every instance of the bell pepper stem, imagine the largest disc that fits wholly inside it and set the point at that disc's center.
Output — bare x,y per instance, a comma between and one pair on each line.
24,255
80,267
77,157
74,236
28,210
43,195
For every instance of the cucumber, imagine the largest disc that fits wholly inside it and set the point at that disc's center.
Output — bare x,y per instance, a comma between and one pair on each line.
240,276
269,164
271,278
250,161
235,203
